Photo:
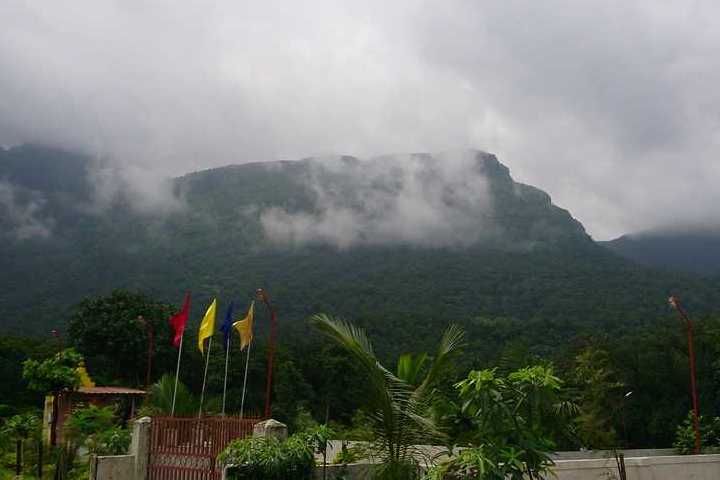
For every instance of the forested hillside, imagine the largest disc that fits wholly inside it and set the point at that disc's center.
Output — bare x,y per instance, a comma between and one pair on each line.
486,246
400,250
692,249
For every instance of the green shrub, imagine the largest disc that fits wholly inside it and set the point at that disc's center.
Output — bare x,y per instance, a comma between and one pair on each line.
113,441
709,435
269,458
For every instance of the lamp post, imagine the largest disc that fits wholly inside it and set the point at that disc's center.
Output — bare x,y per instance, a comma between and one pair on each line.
675,304
56,334
624,400
262,295
151,347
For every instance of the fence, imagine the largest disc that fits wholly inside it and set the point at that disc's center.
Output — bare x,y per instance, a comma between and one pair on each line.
187,448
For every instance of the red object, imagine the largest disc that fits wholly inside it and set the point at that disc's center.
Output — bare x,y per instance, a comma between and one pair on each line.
177,322
675,303
187,448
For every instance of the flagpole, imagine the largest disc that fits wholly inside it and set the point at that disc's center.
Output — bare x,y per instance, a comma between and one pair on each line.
227,359
247,362
202,393
177,374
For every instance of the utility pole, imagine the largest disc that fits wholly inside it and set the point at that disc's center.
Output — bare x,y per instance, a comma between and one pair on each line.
675,304
263,297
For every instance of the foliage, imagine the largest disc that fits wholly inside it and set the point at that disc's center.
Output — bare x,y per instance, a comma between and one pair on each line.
599,397
709,435
267,458
15,397
54,374
400,417
346,455
111,323
486,462
95,428
112,441
509,421
87,421
21,427
160,396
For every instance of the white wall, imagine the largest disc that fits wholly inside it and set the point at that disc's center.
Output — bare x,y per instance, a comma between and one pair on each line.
679,467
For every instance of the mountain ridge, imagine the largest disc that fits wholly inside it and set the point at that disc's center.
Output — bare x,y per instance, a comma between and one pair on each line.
534,260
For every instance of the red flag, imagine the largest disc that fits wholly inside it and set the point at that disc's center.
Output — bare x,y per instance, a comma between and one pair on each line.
177,322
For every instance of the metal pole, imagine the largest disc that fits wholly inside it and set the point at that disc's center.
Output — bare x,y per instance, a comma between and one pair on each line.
202,393
247,362
675,303
227,360
177,374
262,295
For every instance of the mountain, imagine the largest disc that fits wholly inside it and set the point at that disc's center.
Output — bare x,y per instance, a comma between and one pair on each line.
694,250
401,244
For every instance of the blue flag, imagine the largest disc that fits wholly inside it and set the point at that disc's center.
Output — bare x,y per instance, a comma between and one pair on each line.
226,327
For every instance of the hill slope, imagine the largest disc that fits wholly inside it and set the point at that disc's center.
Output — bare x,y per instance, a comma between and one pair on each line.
692,250
400,244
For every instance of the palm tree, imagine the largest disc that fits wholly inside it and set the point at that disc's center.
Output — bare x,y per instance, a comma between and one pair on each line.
159,399
21,427
398,404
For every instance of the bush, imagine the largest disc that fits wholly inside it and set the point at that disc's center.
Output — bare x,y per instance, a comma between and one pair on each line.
709,435
113,441
269,458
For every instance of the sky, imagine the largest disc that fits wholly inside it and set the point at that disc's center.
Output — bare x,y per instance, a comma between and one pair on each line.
612,107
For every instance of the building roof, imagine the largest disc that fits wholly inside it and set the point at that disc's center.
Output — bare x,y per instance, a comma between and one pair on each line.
110,391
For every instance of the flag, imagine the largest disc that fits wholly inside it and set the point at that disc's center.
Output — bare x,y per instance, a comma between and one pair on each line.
207,326
245,327
226,327
177,322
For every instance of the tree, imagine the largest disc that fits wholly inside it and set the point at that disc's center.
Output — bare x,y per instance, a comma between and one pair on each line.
511,423
53,375
95,428
21,427
399,411
599,397
110,323
160,397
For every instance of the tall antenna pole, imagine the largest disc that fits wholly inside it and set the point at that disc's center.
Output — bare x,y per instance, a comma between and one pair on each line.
263,296
675,303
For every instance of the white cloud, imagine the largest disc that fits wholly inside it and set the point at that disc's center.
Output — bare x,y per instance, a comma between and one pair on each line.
610,106
22,218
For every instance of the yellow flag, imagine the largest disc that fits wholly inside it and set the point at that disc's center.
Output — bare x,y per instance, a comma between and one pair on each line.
207,326
245,327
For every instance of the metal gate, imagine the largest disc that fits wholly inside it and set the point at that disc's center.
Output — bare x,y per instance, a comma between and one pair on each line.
187,448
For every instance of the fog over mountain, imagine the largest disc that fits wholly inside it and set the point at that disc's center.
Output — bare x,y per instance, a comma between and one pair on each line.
611,107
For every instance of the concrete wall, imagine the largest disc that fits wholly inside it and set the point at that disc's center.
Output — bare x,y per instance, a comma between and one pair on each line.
351,471
116,467
125,467
685,467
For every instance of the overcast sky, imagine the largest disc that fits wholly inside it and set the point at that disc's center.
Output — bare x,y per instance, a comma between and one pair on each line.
612,107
